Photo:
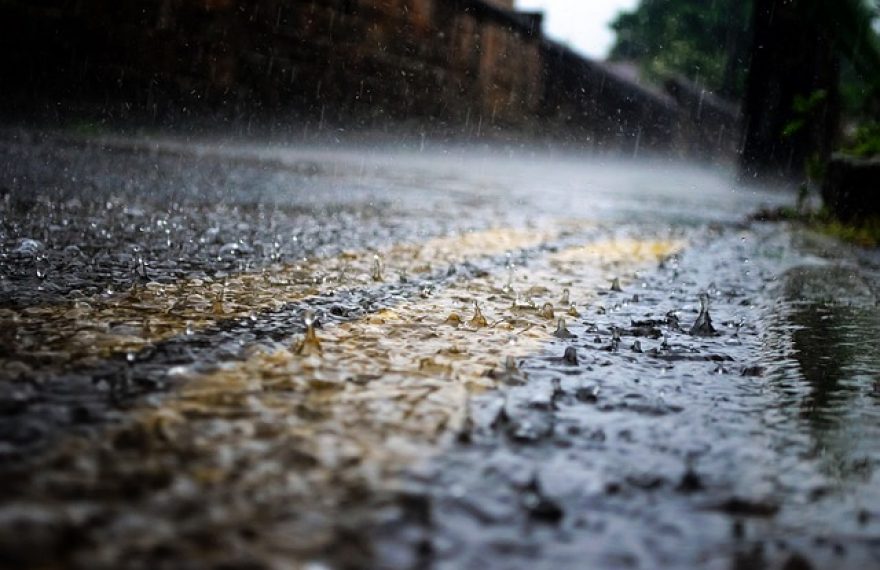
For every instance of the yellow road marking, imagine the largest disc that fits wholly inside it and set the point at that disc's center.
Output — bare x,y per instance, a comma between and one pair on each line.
97,327
391,385
289,442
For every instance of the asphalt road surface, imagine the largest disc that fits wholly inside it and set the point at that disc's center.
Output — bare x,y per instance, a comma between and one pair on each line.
224,354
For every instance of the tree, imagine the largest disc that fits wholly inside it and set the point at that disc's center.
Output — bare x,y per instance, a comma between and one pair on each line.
791,104
707,42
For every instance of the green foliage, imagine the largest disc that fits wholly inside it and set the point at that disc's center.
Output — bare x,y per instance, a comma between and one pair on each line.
803,111
866,142
865,234
705,41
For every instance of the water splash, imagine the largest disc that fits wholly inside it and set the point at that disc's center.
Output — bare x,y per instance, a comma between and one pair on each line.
309,345
703,325
615,285
478,321
615,338
454,319
547,311
562,331
566,297
377,268
510,374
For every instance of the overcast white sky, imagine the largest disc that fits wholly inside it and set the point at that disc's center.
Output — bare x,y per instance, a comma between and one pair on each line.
582,24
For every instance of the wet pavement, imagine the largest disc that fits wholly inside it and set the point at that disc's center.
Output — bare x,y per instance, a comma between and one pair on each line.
506,363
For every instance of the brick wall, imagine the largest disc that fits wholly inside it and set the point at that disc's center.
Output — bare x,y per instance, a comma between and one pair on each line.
370,60
464,67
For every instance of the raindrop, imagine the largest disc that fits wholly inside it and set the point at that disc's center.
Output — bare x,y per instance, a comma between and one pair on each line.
510,374
703,325
478,320
454,319
508,287
28,246
566,294
377,268
615,285
547,311
615,338
570,356
309,345
562,331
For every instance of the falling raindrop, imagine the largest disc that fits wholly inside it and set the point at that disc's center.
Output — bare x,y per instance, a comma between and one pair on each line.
508,287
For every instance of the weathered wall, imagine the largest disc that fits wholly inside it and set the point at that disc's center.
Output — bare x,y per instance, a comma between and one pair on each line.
447,60
462,67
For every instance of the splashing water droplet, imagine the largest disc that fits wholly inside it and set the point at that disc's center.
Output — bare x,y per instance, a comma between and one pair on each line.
570,357
703,325
478,320
309,345
547,311
454,319
510,373
615,338
615,285
377,268
511,267
562,331
566,297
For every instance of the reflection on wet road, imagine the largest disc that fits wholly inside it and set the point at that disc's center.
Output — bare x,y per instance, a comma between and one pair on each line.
507,365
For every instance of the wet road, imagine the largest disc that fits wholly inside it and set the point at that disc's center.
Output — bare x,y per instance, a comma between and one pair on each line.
505,364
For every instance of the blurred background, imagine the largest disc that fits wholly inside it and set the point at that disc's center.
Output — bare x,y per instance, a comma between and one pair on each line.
773,86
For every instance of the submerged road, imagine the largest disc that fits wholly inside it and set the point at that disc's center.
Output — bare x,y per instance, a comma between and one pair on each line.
239,355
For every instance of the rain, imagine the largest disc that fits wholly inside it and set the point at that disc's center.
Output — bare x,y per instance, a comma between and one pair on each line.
440,284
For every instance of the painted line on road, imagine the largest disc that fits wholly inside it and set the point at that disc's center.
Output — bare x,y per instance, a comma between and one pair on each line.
88,330
385,390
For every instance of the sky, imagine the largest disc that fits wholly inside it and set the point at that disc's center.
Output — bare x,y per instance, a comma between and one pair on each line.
582,24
